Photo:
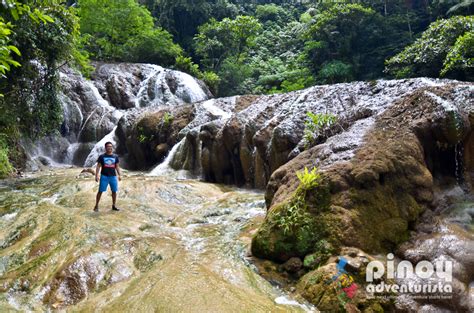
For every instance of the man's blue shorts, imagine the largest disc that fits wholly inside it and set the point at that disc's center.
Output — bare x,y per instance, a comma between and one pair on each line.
108,180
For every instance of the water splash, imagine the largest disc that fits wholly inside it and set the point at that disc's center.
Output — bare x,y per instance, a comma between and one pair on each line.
164,167
99,148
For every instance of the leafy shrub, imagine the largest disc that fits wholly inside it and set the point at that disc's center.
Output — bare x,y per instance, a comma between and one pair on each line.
335,72
5,167
167,119
185,64
212,80
316,124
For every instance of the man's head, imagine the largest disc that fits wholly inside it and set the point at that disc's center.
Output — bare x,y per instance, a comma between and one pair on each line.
109,147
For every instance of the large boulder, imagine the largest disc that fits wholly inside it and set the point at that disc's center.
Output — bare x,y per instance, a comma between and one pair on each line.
372,197
154,134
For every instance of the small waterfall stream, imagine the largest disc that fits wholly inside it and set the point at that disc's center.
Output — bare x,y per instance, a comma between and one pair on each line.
164,167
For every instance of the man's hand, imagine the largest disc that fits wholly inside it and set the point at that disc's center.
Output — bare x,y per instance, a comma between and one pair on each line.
120,178
97,168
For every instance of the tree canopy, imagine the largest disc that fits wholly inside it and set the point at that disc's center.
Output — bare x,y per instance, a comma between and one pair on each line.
446,48
123,30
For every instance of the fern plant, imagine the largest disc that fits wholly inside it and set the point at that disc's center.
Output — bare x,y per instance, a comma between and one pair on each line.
309,180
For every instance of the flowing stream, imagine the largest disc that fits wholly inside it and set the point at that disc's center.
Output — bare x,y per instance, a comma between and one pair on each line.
176,245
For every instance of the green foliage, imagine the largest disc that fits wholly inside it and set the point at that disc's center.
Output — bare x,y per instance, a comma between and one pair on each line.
293,219
6,58
271,13
219,40
461,57
309,180
316,124
335,72
463,7
45,33
167,119
348,41
212,80
142,137
5,167
123,30
185,64
182,17
233,75
444,49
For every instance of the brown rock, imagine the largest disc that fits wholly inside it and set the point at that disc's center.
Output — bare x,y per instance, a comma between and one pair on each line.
293,265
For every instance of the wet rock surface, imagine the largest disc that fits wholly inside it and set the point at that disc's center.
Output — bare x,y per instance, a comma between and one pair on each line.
153,255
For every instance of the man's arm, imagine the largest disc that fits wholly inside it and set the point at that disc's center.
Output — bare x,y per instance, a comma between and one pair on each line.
117,167
97,168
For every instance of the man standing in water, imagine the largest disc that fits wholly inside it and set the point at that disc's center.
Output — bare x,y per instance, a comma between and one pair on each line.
109,163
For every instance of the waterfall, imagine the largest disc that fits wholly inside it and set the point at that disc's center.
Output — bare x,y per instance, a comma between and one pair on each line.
168,87
178,157
89,113
164,167
188,88
99,148
142,93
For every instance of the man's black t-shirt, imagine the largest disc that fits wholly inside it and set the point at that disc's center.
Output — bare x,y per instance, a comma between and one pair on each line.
109,163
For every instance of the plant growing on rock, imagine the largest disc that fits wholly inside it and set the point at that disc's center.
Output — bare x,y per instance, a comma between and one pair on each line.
294,218
309,179
167,119
315,125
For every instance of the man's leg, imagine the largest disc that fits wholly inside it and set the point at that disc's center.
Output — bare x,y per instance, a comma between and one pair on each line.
97,199
114,187
102,188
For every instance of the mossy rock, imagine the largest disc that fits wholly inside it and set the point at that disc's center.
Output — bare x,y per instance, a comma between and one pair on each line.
291,228
323,287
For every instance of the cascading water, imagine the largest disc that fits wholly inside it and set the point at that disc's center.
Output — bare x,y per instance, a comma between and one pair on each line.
99,148
171,237
89,116
164,167
206,111
452,111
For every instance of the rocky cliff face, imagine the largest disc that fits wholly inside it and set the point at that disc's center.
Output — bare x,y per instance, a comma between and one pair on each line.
373,199
93,108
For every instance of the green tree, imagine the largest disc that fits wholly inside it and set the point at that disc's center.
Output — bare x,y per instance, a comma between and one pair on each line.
218,40
42,36
6,49
272,13
347,33
183,17
45,32
335,72
446,48
123,30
